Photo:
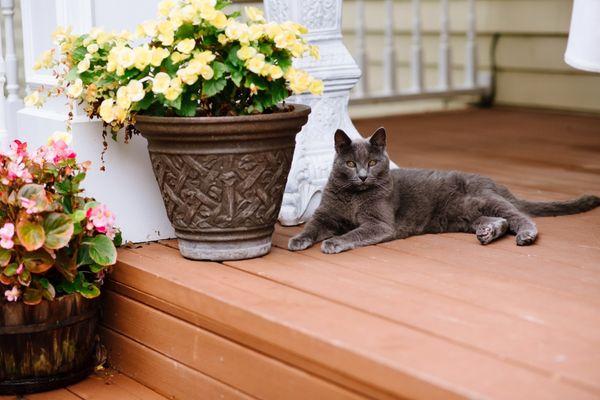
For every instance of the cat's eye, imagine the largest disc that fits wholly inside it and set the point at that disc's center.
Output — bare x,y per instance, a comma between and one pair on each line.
351,164
372,163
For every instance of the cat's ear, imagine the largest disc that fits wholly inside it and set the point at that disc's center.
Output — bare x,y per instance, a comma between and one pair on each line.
378,138
342,140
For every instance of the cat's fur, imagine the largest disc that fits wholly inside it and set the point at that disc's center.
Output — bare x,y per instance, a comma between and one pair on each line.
364,202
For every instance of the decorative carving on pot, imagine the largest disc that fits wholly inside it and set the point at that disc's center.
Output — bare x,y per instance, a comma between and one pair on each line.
222,178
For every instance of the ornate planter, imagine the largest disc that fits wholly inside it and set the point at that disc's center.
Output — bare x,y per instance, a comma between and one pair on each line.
46,346
222,178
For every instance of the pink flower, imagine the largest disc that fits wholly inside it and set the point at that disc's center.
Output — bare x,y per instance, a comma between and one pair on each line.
16,169
20,269
18,150
102,219
6,234
13,294
29,205
55,152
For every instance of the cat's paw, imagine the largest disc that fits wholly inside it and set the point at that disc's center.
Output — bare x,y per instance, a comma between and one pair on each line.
299,242
526,238
332,246
485,234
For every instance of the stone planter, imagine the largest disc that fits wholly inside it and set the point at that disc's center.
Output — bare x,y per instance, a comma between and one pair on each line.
222,178
47,346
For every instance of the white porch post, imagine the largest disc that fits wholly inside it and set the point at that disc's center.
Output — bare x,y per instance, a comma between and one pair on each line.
13,101
338,70
3,133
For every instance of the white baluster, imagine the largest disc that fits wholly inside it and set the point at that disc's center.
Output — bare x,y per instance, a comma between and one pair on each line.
389,51
471,60
416,62
12,80
445,56
362,87
2,99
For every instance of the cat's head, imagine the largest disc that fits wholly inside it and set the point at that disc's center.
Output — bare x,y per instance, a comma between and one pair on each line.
360,164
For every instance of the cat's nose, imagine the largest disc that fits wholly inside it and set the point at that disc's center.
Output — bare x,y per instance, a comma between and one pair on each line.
362,174
363,178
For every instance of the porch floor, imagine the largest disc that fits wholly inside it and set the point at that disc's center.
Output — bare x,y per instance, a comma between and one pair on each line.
433,316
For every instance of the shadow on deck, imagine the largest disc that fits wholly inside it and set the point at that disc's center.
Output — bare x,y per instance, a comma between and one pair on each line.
434,316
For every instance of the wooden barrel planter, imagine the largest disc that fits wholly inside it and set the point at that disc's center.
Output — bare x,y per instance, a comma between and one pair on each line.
47,346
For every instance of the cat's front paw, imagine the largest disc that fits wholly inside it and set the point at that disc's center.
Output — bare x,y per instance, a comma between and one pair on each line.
333,246
526,238
299,242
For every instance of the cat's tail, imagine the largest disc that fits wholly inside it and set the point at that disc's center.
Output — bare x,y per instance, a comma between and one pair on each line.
554,208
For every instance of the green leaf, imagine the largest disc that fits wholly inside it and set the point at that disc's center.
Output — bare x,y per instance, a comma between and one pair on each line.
11,269
48,291
59,230
5,256
38,261
79,177
32,296
95,268
258,81
30,234
282,58
236,77
219,69
118,240
86,289
188,106
185,31
232,56
212,87
266,48
78,216
37,193
146,102
101,249
72,75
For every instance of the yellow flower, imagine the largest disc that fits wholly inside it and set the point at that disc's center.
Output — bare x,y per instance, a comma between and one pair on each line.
158,55
253,89
142,57
45,61
272,30
299,81
59,136
92,48
120,113
256,63
246,52
207,72
187,76
255,32
177,57
166,31
222,38
83,65
61,34
174,90
195,66
297,49
125,57
106,111
103,37
275,72
135,90
314,52
165,7
186,46
161,82
75,89
316,87
254,14
235,30
34,99
198,4
219,21
123,99
147,28
285,39
205,57
208,12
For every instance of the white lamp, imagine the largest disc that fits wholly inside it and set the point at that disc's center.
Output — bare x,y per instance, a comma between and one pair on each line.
583,48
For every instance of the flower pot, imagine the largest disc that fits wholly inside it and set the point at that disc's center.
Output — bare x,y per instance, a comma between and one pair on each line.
222,178
46,346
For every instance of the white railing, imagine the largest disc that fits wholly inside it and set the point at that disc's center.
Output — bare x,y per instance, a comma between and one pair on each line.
417,89
9,72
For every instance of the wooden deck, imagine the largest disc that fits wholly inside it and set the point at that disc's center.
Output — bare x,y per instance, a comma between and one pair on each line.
429,317
103,385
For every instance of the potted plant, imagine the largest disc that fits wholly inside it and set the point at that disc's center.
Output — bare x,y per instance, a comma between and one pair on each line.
208,93
55,248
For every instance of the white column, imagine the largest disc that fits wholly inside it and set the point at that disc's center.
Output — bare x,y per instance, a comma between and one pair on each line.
416,62
12,79
362,87
3,133
338,70
389,51
471,59
445,67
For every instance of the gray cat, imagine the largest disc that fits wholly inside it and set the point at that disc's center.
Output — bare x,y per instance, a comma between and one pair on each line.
364,202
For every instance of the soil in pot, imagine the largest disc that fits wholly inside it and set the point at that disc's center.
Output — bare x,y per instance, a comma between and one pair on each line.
222,179
47,346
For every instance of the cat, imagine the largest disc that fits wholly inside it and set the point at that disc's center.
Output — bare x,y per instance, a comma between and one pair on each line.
364,202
